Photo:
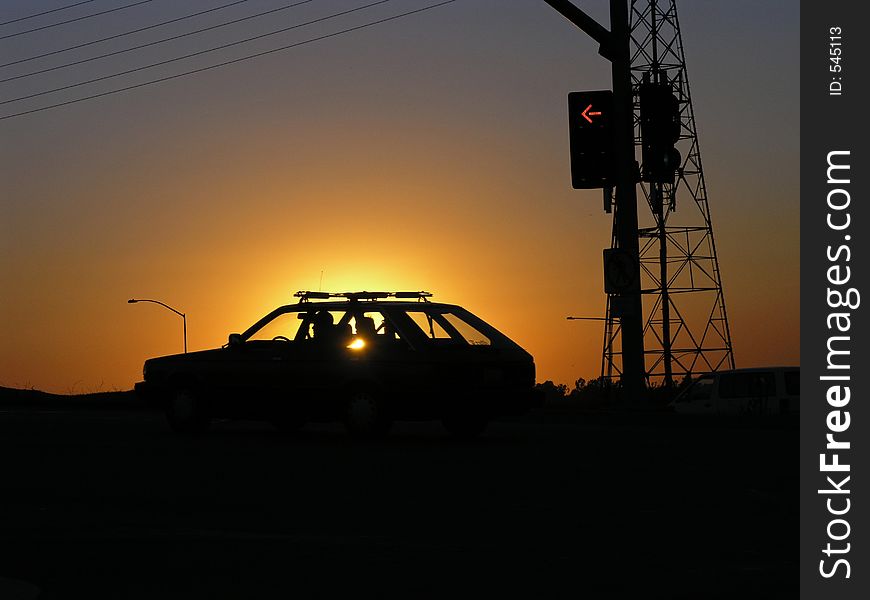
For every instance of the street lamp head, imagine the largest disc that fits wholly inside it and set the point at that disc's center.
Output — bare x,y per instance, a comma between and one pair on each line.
166,306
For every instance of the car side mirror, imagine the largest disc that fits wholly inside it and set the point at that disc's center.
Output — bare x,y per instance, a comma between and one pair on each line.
235,339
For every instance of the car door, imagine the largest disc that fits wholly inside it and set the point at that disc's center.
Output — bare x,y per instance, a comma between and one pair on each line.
382,354
259,372
453,372
319,362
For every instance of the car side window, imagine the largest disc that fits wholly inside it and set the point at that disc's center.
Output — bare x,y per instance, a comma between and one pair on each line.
375,327
471,334
324,326
432,327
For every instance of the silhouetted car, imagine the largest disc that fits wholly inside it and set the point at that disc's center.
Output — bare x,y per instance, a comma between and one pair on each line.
363,358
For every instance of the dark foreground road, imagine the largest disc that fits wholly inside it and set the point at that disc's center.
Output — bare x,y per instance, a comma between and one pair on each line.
110,504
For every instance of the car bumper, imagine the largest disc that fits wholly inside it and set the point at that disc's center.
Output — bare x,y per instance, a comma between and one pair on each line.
148,394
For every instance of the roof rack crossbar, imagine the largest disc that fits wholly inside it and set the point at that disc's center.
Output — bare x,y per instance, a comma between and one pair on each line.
306,296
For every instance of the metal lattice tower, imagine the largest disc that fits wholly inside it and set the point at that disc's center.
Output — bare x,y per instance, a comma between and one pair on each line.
686,327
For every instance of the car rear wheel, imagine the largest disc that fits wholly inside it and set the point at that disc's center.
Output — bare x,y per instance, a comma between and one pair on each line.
185,412
366,414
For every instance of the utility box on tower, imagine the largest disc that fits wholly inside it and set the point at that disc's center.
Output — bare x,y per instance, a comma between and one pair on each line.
593,163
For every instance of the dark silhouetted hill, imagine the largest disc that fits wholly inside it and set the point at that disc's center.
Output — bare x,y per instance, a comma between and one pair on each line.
34,397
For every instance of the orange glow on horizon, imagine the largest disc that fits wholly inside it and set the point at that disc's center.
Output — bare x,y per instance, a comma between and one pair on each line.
414,159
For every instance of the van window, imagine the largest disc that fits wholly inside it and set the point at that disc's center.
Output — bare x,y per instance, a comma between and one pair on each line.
746,385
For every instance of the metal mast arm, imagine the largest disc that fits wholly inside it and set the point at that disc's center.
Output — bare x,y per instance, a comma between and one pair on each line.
586,23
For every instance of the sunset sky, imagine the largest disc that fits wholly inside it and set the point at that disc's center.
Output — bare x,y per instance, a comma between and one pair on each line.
429,152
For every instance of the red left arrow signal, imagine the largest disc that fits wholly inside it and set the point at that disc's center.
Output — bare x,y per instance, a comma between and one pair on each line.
588,114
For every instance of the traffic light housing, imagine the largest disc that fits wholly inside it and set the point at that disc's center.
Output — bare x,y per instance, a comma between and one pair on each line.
590,115
660,127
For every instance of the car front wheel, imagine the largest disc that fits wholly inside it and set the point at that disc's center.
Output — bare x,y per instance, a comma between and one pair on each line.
366,414
185,412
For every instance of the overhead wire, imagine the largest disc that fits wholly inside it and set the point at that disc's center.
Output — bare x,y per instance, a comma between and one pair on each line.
120,35
157,42
73,20
228,62
45,12
192,54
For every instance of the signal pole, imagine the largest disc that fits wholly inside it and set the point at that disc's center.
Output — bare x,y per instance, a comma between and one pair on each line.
631,311
615,46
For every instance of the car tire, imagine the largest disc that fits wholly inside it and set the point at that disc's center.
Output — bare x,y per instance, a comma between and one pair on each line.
185,412
465,427
366,414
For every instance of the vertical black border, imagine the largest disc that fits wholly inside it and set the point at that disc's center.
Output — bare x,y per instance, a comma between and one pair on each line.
830,123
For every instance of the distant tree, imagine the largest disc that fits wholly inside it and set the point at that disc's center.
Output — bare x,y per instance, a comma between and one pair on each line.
553,391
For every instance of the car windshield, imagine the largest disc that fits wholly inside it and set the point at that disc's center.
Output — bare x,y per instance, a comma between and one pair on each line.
283,325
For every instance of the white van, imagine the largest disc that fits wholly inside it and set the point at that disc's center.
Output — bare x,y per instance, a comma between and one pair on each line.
771,391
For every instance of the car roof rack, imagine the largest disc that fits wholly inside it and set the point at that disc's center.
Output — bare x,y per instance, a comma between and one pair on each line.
307,296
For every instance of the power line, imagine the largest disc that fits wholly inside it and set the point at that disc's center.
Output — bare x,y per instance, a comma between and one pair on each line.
82,18
191,55
45,12
226,63
156,42
131,32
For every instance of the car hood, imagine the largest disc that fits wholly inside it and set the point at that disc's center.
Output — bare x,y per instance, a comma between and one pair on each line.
160,363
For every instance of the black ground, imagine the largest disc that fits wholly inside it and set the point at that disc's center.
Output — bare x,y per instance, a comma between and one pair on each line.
107,503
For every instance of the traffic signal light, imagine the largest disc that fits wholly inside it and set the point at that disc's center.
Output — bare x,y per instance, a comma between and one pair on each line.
589,127
660,126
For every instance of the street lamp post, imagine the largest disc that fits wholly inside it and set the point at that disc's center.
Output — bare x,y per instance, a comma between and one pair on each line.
177,312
